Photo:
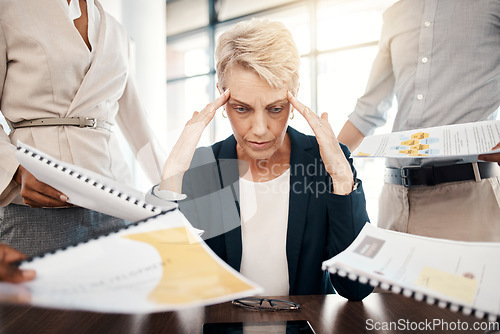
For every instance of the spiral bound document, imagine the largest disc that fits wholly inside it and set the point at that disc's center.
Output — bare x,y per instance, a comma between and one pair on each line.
156,265
461,276
88,189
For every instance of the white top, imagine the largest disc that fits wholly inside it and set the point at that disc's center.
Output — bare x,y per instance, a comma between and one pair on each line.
94,23
264,221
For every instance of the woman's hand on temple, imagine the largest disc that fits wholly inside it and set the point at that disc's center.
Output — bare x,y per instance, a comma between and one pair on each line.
180,157
332,155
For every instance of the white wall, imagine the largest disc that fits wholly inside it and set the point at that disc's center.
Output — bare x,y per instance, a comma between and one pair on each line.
145,22
113,7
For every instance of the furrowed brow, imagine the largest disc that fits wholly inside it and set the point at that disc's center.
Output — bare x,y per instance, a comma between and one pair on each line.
283,101
231,100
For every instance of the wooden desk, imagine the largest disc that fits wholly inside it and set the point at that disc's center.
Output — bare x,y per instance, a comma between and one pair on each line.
327,314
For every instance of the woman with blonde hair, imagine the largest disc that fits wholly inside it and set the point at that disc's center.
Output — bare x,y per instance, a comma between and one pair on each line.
273,202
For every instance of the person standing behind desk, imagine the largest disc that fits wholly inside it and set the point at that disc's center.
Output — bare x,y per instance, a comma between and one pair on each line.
64,63
441,59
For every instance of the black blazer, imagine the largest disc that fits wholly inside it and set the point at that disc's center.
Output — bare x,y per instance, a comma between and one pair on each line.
320,224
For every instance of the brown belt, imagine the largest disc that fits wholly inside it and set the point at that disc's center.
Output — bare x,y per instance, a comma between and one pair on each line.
81,122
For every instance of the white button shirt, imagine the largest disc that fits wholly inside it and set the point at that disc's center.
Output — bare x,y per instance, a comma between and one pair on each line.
94,23
441,60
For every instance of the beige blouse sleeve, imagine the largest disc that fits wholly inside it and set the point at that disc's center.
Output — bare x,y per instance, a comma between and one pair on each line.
133,122
9,164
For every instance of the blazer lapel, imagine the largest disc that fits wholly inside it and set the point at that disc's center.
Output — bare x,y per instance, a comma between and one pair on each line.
300,160
229,177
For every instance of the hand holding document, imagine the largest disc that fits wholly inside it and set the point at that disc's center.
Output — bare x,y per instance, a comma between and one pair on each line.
462,141
88,189
459,275
157,265
495,157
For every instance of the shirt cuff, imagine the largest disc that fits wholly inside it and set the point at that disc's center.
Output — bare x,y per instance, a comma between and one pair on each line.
355,185
365,127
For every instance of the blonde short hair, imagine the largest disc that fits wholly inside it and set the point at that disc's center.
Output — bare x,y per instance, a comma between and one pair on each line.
265,46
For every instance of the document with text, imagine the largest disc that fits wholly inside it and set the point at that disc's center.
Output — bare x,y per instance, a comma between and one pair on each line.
158,265
458,275
88,189
459,141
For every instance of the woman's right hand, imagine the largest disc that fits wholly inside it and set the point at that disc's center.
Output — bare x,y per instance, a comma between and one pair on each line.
180,157
495,157
37,194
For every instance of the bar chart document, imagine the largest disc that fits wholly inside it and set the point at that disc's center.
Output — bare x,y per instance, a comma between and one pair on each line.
460,141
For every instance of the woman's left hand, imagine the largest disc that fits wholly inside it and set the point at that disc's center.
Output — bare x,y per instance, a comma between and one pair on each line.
332,155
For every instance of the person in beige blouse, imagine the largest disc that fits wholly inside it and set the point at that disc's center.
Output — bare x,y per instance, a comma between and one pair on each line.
65,63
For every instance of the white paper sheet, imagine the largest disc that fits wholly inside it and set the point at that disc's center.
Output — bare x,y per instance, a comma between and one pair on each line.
88,189
463,141
463,274
158,265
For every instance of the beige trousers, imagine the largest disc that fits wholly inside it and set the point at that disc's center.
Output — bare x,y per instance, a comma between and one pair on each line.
468,211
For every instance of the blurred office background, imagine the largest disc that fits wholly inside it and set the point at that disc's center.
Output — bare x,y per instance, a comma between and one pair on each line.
337,40
174,42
